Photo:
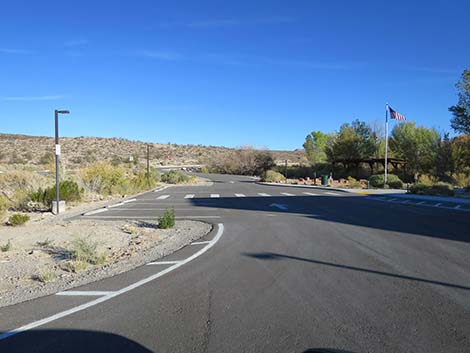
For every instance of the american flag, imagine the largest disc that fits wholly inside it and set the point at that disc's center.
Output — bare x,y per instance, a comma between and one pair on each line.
396,115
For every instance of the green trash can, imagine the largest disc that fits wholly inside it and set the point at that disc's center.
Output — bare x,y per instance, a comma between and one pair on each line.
324,180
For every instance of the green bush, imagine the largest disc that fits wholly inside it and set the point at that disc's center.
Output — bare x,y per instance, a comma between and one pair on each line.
6,247
68,191
18,219
437,189
393,181
271,176
353,183
167,220
175,177
86,251
143,182
4,204
106,179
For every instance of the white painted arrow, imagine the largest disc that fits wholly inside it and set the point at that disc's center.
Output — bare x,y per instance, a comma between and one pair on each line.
279,205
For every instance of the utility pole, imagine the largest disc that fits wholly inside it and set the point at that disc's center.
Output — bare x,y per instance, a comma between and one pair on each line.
386,146
286,168
57,156
148,161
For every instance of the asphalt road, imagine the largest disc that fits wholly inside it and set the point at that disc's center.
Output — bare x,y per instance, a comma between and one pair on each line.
285,271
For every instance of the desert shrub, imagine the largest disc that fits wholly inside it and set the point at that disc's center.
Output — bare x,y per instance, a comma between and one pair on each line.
437,189
85,250
175,177
103,178
18,219
271,176
353,183
204,169
4,204
167,220
462,180
425,179
45,277
393,181
46,158
6,247
68,191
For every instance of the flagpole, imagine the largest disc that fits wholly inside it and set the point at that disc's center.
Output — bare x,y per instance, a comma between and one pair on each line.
386,144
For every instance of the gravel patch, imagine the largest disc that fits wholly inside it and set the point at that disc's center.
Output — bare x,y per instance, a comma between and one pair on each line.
41,259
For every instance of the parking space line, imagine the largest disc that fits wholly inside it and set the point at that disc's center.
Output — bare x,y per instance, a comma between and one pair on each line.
287,194
200,242
215,196
163,197
263,194
331,193
310,193
240,195
189,196
163,263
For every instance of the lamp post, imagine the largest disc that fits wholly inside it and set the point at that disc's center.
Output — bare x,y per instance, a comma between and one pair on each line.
57,154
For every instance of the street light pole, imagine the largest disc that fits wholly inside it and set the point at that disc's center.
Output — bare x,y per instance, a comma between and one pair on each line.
57,156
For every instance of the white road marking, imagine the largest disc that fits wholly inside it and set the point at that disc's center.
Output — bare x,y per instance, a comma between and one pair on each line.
113,294
131,200
163,263
421,203
116,205
287,194
232,182
392,200
240,195
189,196
279,205
95,211
310,193
437,204
90,293
200,242
331,193
148,217
405,201
457,207
215,195
160,189
263,194
163,197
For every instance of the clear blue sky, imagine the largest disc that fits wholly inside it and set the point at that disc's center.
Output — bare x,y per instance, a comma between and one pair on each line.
231,73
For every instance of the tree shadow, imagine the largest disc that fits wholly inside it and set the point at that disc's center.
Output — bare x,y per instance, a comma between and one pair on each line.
70,341
275,256
355,210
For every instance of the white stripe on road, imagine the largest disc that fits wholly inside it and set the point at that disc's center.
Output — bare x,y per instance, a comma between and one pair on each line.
113,294
116,205
189,196
457,207
163,263
160,189
437,204
95,211
89,293
215,195
147,217
240,195
421,203
310,193
263,194
200,242
331,193
287,194
163,197
131,200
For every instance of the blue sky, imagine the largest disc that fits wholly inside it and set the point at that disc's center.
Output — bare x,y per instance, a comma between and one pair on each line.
262,73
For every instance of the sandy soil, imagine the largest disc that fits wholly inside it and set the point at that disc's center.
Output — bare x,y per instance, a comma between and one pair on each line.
42,258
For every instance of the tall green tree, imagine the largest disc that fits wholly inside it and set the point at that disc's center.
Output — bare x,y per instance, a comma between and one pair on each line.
315,146
460,121
417,145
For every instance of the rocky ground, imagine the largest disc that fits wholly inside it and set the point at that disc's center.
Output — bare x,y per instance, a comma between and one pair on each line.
44,257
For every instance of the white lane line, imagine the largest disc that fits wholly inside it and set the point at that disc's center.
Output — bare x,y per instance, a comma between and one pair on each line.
148,217
279,205
392,200
89,293
286,194
263,194
405,201
189,196
200,242
457,207
116,205
232,182
421,203
240,195
131,200
163,197
163,263
437,204
160,189
310,193
215,195
114,294
331,193
95,211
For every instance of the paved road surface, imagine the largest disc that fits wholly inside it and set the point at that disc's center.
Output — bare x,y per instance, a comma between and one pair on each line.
293,269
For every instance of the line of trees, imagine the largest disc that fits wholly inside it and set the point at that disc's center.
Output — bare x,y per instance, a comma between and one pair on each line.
425,150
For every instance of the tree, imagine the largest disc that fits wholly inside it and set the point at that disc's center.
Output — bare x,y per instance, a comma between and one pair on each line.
461,112
417,145
444,167
315,145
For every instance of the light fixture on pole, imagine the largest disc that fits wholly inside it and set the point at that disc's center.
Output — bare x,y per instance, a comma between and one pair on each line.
57,155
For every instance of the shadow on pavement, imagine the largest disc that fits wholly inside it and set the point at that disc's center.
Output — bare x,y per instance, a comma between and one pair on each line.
274,256
358,211
70,341
326,350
